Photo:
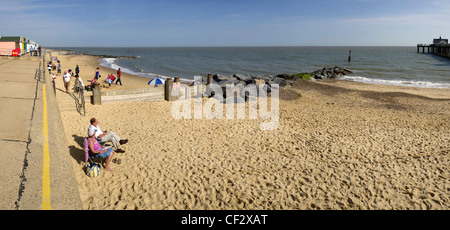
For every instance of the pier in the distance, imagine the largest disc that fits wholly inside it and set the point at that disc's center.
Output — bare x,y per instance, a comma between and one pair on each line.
439,47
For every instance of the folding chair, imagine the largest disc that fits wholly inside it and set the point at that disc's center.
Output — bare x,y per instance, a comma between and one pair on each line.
88,155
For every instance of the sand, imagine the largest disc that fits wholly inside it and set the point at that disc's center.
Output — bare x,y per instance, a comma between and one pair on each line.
339,145
88,65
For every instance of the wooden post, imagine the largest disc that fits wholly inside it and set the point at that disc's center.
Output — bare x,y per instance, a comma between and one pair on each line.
349,55
96,98
209,80
168,89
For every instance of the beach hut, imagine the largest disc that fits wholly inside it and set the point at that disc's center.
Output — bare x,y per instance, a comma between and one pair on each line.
8,44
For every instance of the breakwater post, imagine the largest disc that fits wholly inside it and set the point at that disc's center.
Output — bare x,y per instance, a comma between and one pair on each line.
349,55
96,97
168,89
209,81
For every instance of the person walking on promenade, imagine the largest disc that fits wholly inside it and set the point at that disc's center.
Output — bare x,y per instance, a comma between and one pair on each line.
59,67
49,67
119,73
105,136
66,78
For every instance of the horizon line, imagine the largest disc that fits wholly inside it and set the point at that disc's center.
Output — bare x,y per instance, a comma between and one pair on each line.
231,46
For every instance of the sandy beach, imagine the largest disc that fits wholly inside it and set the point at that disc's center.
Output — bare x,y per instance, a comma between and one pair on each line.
88,65
339,145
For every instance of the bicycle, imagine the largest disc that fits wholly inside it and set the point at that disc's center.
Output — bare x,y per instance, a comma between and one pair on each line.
78,92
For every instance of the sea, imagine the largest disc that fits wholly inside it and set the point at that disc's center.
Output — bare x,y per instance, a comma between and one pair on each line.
381,65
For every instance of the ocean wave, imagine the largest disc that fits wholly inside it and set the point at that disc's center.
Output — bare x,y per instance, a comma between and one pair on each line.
421,84
111,63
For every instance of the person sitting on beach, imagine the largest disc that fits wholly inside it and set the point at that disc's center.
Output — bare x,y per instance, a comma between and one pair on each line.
105,153
93,82
105,136
110,79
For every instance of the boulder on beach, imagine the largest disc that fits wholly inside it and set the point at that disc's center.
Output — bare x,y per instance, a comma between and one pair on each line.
286,76
239,82
219,78
331,72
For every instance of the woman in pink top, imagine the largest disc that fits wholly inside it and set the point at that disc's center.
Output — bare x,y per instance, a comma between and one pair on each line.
105,153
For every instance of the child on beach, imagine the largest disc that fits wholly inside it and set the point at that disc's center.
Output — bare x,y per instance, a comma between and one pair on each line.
93,82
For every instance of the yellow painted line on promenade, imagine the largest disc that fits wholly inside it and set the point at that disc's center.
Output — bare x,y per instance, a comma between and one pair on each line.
46,164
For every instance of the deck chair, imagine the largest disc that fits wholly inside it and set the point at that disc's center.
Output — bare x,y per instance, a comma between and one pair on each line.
88,156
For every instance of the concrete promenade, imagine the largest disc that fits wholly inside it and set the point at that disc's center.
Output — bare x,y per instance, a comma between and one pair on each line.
36,170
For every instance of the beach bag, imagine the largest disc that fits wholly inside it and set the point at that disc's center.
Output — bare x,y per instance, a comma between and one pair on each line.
93,170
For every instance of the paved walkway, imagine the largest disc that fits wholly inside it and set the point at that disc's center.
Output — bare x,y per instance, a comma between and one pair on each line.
36,170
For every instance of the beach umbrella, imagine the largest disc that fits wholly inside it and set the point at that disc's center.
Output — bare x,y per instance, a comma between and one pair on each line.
157,81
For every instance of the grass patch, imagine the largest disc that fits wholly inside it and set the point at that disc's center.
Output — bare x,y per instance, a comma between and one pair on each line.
304,76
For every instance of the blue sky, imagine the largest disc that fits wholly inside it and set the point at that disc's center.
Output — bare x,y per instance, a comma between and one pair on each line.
156,23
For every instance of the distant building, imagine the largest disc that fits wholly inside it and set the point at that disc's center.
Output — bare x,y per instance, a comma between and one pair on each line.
440,41
9,43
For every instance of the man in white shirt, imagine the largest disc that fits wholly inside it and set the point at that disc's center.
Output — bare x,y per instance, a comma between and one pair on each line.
67,77
104,136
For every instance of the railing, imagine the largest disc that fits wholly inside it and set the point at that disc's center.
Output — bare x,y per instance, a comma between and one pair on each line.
40,73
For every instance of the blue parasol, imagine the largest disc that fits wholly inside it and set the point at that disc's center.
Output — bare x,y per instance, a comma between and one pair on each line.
157,81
